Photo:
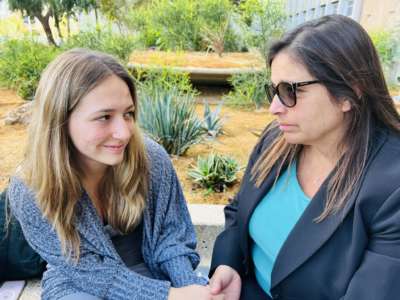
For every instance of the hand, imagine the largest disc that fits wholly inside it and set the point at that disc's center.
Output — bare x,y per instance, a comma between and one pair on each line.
226,281
195,292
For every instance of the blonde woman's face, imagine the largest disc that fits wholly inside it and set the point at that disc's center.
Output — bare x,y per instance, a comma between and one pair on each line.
101,125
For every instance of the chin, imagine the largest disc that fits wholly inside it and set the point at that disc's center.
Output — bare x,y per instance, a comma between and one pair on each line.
293,139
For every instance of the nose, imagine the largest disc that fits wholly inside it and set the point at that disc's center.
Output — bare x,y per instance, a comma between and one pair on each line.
122,129
276,107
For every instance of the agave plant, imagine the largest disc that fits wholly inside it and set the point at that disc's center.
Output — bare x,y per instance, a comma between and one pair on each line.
212,121
170,119
215,172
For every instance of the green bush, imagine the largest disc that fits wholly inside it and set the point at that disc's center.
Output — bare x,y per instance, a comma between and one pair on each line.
21,64
150,81
215,172
182,24
261,21
248,90
387,44
104,40
170,119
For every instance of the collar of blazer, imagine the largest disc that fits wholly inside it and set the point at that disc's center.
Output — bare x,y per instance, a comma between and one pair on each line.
307,236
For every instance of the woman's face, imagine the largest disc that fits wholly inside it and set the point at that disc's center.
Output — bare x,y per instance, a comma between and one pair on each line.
317,118
101,125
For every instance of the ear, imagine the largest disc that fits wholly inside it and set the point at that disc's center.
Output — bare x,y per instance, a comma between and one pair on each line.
345,105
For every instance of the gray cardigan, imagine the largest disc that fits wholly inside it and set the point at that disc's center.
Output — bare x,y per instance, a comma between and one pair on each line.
168,242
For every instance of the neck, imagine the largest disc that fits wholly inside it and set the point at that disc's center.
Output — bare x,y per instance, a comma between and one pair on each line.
326,155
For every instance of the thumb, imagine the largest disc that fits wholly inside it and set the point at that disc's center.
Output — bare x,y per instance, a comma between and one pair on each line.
215,285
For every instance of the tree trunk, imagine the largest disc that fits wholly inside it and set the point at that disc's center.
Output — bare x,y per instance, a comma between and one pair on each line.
68,27
97,17
44,20
57,23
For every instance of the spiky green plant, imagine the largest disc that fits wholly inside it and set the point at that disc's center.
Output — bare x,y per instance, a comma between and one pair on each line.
215,172
170,119
212,120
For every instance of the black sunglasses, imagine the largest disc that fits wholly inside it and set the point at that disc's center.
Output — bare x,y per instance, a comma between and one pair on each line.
286,91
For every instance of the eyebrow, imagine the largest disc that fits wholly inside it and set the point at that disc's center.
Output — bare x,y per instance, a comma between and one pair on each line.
112,110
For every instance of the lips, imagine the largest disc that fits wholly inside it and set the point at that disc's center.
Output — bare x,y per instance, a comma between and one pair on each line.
115,148
286,127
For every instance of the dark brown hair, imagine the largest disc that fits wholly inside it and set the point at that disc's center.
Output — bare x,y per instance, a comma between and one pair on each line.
337,51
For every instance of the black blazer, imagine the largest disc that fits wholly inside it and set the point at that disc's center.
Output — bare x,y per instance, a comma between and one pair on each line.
354,254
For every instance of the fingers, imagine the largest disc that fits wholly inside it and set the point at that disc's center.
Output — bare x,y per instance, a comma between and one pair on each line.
221,278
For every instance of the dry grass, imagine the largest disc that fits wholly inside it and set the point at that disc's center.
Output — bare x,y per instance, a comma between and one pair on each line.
198,59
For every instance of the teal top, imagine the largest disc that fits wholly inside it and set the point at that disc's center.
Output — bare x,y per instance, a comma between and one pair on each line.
272,220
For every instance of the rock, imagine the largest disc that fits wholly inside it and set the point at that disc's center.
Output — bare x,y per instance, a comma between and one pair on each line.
20,115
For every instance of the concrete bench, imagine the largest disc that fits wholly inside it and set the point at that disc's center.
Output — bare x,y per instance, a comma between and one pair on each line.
208,221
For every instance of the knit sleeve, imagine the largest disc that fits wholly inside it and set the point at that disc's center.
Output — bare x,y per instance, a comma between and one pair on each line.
95,273
173,232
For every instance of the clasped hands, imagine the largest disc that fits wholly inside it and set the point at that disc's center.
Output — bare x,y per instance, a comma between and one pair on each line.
225,284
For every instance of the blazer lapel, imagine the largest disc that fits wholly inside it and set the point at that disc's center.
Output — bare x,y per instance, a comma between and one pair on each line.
308,236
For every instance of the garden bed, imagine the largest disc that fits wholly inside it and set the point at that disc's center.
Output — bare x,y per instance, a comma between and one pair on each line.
202,67
240,128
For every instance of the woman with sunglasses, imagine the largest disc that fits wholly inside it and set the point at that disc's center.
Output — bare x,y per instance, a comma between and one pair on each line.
318,212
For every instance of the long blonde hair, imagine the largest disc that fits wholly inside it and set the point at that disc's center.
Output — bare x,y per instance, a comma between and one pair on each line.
50,167
337,51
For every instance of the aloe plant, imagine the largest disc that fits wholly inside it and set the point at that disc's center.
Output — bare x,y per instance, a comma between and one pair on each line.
215,172
170,119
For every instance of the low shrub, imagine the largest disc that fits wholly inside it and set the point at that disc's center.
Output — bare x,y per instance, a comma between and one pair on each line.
183,24
104,40
170,119
215,172
248,90
152,81
21,64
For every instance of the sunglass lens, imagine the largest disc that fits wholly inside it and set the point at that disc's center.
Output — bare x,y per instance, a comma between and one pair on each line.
286,94
270,90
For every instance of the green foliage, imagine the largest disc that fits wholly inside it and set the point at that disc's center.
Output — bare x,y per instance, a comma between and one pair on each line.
261,21
151,81
21,64
387,45
182,24
212,120
248,90
170,119
44,9
215,172
104,40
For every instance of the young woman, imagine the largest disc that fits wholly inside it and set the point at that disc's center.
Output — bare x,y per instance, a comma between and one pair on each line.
100,203
318,212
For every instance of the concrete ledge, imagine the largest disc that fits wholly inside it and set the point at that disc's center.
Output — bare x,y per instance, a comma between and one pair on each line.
208,221
201,75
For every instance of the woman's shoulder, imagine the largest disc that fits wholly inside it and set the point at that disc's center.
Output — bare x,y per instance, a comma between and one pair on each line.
21,198
159,159
154,150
